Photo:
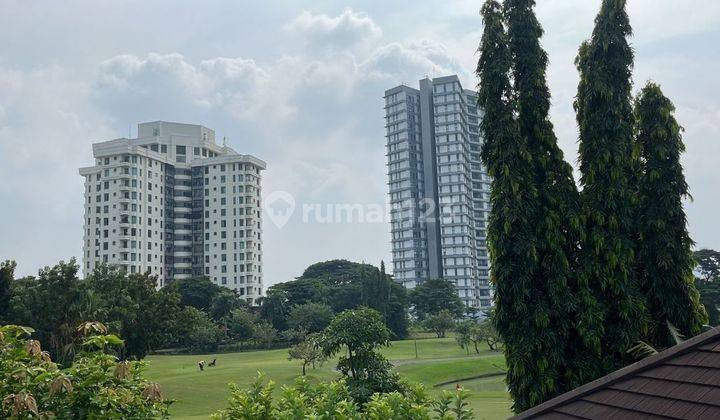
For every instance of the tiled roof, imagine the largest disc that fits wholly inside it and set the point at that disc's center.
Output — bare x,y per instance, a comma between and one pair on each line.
682,382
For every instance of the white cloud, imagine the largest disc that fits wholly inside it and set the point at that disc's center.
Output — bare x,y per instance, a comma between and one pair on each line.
406,62
346,30
236,86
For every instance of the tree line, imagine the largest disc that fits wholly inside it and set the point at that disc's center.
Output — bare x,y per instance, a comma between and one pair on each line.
199,316
580,275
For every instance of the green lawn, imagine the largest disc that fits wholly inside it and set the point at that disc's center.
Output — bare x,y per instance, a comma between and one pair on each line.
439,360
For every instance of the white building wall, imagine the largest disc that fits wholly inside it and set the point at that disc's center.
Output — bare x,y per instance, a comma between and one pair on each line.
131,220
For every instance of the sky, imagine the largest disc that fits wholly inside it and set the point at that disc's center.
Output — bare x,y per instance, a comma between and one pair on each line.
298,84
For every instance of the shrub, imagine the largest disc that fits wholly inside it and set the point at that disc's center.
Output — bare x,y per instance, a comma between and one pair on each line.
333,401
97,385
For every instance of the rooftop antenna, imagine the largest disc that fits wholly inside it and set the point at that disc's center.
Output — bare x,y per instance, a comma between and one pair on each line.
129,131
224,142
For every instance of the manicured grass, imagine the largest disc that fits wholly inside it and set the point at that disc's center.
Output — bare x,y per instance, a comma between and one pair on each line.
439,360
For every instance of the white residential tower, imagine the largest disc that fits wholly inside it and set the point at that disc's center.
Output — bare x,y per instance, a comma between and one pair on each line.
175,203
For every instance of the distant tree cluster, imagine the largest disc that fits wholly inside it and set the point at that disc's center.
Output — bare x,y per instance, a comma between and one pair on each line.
707,282
193,314
580,276
327,288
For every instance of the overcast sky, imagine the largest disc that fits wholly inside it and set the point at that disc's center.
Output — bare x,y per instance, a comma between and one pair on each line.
299,85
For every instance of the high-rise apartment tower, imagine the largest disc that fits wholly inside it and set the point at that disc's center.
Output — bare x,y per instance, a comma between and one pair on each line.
439,190
174,202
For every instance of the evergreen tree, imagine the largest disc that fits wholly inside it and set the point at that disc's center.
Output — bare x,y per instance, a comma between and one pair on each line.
605,119
7,276
665,246
511,240
558,227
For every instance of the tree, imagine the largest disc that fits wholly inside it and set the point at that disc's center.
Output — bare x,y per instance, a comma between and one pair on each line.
53,304
465,333
486,332
433,296
274,308
708,264
265,334
341,285
223,303
511,231
559,299
708,284
664,253
133,308
440,323
608,165
361,332
197,331
397,314
7,275
310,317
241,324
196,292
308,351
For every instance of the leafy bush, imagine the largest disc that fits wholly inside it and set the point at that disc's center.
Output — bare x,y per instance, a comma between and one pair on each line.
96,386
333,401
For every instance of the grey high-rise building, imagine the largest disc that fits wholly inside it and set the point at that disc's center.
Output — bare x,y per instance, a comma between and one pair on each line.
174,203
439,190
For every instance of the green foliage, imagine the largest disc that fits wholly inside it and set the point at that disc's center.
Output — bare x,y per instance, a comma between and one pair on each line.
608,165
274,308
708,264
440,323
241,324
53,304
341,285
310,317
196,292
487,332
7,275
265,334
308,351
224,303
196,331
557,295
664,255
133,308
522,318
433,296
361,332
708,284
96,386
333,401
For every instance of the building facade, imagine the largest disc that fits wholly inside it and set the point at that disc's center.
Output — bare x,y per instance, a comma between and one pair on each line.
439,190
175,203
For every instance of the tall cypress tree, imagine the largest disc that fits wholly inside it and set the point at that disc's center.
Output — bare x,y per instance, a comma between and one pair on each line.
520,316
664,254
605,119
558,226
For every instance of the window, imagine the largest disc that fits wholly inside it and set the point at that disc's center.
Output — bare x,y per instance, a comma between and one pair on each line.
180,150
